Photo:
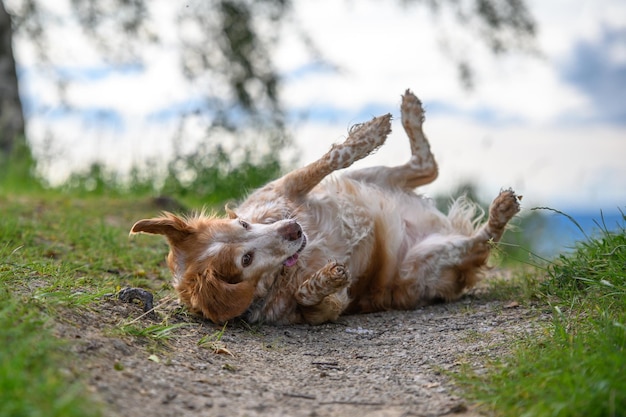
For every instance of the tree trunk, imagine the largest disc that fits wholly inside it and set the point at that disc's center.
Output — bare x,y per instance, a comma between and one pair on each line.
11,116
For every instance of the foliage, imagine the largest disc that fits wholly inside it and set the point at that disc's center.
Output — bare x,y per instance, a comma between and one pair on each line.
576,366
224,53
503,25
596,268
212,176
204,177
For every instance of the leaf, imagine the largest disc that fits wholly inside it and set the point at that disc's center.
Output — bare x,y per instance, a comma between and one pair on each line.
223,350
218,348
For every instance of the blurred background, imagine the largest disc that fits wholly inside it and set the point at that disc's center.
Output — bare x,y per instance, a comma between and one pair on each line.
207,99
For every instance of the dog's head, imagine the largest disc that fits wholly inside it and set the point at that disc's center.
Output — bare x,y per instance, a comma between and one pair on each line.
217,262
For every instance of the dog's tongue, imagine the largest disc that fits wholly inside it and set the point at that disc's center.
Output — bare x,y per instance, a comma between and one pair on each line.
291,261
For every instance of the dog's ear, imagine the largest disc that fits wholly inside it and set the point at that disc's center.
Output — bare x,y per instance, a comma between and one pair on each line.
217,300
171,226
230,212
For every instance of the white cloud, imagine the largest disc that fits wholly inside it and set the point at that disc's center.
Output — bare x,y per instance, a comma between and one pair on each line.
382,50
136,94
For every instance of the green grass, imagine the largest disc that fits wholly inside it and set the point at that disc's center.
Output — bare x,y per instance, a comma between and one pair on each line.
577,366
35,379
158,332
59,247
56,253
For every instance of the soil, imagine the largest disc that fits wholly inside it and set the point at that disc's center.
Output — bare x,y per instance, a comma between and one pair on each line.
395,363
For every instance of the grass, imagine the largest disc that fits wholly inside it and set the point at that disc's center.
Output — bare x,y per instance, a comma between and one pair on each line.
577,366
56,253
56,247
35,379
214,343
156,332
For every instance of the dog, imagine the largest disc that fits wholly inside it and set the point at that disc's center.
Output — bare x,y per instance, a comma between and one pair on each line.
306,248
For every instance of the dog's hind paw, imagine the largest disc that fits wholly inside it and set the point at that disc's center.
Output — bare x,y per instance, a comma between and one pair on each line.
412,110
504,207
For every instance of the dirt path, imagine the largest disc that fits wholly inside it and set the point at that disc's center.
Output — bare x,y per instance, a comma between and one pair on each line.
383,364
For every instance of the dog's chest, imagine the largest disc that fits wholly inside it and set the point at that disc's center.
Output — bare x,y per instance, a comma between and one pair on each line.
338,217
355,223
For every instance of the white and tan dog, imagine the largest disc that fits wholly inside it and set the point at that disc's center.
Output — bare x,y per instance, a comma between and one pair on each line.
305,250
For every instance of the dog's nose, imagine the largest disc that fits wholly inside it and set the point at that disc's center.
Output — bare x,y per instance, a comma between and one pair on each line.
290,231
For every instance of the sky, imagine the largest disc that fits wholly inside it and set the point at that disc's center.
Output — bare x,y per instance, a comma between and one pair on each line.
553,127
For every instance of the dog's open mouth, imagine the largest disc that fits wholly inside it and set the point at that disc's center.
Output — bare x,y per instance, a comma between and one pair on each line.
291,261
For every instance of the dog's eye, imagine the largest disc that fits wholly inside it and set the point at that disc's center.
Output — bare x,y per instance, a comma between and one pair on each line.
244,224
246,259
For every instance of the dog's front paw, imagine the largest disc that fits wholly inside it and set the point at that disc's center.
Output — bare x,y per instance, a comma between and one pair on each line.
370,135
335,276
364,139
330,279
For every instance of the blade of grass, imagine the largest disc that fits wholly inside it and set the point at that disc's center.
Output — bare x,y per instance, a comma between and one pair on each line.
573,220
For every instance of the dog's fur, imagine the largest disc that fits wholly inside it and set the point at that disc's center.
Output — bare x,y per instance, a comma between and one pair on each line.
303,250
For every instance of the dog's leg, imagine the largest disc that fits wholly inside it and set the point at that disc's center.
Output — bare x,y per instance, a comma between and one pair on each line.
440,267
362,140
321,297
421,169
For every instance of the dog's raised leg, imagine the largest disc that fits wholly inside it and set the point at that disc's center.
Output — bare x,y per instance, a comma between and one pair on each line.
421,168
440,267
363,139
